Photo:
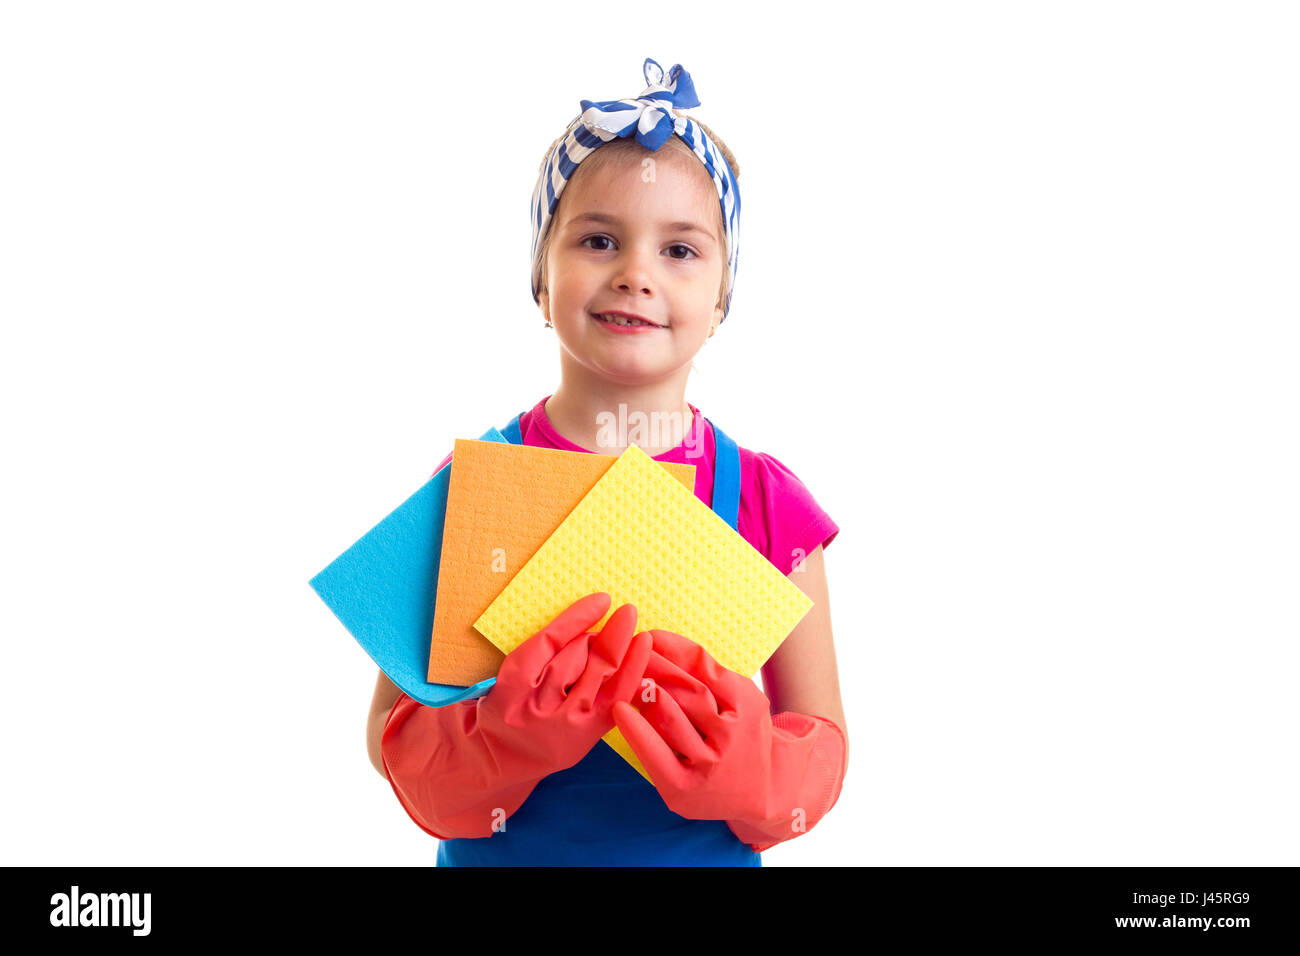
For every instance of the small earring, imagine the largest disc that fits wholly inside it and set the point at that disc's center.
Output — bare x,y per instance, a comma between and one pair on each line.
548,324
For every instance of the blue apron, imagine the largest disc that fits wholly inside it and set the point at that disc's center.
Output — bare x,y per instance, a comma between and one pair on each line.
601,812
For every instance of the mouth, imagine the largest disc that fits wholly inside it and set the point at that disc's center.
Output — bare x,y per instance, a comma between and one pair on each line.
625,320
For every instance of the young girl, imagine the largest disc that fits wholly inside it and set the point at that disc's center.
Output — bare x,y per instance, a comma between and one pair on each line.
635,219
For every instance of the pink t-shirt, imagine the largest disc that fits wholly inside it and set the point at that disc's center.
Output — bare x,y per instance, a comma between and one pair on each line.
778,514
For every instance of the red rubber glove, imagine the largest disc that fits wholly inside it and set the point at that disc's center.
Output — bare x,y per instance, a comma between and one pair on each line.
460,770
770,778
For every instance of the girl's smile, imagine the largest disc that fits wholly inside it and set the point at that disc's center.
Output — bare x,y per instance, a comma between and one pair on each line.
625,322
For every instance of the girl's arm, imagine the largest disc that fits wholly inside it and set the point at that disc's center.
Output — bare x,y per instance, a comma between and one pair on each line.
802,677
386,694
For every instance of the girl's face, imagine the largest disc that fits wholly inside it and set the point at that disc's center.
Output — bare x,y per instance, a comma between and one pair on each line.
647,248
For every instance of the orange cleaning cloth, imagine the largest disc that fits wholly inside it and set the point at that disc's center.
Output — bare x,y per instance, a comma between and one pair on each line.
503,502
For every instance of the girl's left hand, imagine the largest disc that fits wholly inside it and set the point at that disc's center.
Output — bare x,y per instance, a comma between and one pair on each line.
706,736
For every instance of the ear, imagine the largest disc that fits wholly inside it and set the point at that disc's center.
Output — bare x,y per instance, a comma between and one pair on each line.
718,315
544,303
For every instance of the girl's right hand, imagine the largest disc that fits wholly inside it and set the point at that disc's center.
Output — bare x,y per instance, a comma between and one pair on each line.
554,694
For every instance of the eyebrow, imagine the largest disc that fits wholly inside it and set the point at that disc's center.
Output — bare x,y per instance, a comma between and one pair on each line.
605,218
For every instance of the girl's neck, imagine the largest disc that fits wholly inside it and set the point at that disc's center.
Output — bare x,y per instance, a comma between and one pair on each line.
601,416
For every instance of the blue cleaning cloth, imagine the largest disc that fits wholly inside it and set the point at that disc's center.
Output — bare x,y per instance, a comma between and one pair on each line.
383,589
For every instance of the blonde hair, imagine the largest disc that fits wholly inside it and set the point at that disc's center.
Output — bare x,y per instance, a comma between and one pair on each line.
606,154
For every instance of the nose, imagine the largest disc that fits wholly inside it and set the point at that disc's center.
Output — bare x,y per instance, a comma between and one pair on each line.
633,274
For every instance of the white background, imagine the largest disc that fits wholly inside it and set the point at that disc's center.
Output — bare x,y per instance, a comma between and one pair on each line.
1017,301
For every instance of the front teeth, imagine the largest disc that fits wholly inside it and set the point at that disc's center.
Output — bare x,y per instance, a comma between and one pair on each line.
621,320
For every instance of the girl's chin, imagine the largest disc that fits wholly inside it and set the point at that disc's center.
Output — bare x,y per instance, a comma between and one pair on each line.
625,367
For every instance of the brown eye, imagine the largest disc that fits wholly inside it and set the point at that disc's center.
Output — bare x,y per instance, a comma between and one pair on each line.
687,249
598,239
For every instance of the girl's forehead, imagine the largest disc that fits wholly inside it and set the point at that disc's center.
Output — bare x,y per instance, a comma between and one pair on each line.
664,186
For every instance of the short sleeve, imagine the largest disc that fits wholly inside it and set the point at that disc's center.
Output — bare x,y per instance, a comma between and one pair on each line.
786,519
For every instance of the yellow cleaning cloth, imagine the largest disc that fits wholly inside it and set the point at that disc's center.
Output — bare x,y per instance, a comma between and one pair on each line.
503,502
647,541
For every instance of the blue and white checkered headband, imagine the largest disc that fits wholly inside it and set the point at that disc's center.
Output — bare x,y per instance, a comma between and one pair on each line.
648,117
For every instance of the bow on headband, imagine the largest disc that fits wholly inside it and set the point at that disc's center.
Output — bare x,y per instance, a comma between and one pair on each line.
648,112
648,118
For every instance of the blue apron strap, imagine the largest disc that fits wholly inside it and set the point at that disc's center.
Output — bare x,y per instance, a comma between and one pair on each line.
726,478
511,431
